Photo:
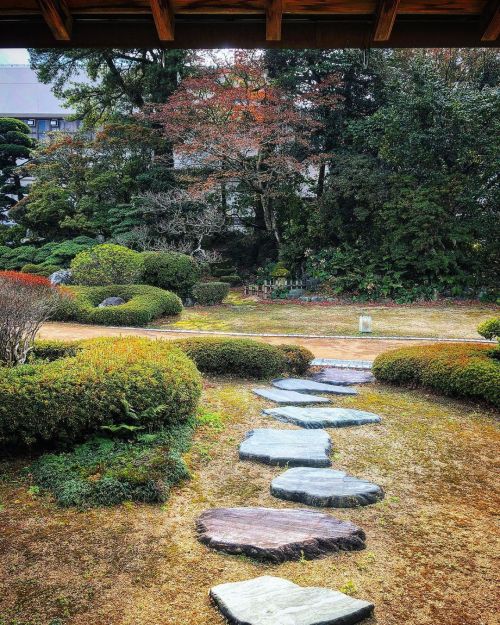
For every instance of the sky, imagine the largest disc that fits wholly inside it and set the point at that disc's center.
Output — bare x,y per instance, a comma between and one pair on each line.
13,56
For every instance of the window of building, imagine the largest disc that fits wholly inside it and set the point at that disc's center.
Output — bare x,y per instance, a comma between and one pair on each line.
54,123
31,123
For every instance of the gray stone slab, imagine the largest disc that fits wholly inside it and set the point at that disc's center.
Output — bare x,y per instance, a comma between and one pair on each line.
335,362
289,397
287,447
271,600
277,535
310,386
320,417
343,377
325,488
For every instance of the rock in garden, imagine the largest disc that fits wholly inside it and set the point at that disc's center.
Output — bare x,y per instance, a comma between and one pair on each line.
287,447
62,276
289,397
322,417
343,377
301,386
277,535
270,600
111,301
325,488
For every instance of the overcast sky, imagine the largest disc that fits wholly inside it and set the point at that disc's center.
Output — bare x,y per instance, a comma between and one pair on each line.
13,55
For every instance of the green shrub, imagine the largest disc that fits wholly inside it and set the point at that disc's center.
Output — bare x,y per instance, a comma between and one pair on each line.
105,471
490,328
233,280
53,349
240,357
102,384
172,271
142,304
469,371
298,358
40,270
106,264
210,293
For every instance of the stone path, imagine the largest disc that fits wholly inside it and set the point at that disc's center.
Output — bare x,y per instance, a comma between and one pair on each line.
277,535
325,488
287,447
289,397
343,377
305,386
274,601
322,417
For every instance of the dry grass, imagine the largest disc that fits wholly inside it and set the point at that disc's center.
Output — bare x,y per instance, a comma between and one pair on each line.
248,315
430,542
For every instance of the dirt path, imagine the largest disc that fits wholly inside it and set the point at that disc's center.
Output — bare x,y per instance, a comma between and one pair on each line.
351,349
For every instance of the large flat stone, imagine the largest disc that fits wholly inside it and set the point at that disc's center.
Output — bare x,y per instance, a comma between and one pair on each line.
287,447
325,488
288,397
277,535
343,377
322,417
270,600
310,386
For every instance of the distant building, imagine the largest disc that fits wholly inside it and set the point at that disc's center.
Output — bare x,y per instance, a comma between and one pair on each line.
22,96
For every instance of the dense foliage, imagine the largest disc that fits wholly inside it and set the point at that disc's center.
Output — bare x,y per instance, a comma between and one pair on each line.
103,382
490,329
53,253
210,293
106,264
15,145
170,270
468,371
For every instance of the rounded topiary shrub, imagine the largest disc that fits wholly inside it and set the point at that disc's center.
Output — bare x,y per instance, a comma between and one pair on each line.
99,384
172,271
298,358
490,328
40,270
142,304
210,293
233,279
106,264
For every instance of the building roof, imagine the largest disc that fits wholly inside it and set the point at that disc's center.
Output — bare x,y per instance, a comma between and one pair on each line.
21,94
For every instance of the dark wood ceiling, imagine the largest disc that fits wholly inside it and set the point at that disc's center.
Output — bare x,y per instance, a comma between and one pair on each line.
249,23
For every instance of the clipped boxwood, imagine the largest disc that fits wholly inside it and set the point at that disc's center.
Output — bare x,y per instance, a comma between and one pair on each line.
210,293
106,264
40,270
298,358
74,395
240,357
469,371
233,279
142,304
490,328
172,271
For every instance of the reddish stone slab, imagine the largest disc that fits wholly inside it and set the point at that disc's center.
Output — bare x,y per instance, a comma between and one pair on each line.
277,535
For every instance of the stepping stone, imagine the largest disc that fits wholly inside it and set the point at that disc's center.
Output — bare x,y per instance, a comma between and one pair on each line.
343,377
288,397
310,386
287,447
325,488
322,417
271,600
277,535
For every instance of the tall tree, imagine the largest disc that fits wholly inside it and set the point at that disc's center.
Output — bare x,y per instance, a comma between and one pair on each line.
15,145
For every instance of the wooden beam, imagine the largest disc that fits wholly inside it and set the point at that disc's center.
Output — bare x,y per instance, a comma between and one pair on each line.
163,16
492,21
58,18
274,18
386,16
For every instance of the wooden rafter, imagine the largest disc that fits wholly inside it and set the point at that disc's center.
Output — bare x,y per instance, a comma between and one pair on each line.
274,18
386,16
492,21
58,18
163,16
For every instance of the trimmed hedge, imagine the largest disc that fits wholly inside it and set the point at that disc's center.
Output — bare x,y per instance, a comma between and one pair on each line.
469,371
106,264
142,304
490,328
40,270
244,357
232,279
171,271
210,293
107,378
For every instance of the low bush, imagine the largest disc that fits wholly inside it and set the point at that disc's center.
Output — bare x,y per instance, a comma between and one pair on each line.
210,293
298,358
490,328
40,270
240,357
52,253
469,371
105,382
106,264
232,279
171,271
108,471
142,304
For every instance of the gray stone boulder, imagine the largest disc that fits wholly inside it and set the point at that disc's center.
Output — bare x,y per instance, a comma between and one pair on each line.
343,377
289,397
310,386
60,277
271,600
319,417
111,301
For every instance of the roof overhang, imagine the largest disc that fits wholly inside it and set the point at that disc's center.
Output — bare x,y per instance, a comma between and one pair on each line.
249,23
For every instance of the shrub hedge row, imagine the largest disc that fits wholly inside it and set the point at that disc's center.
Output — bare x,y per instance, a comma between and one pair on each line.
210,293
142,305
98,382
469,371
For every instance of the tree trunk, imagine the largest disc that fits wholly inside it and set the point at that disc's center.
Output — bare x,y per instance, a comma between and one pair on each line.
270,218
321,180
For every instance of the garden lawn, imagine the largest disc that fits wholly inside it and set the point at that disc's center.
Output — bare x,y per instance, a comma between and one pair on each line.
430,543
240,314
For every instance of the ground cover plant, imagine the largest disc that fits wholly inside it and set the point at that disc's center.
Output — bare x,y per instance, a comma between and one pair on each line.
143,303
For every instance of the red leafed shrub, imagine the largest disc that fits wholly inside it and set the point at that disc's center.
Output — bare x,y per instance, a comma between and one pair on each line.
26,301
